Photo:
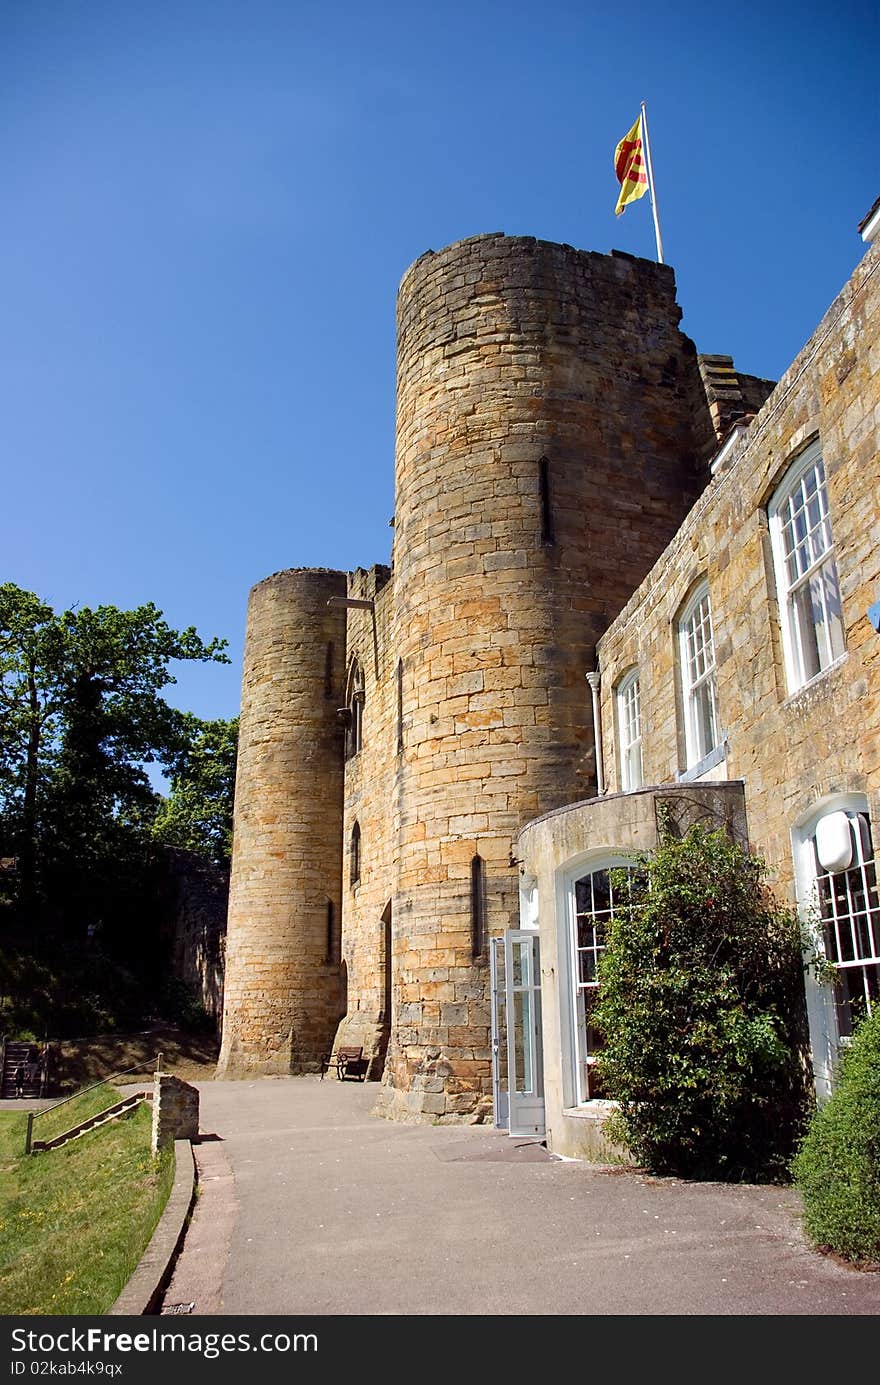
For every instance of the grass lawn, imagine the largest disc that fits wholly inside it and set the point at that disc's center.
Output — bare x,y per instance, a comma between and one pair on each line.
74,1221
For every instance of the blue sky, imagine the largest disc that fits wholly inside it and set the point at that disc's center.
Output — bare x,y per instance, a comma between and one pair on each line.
207,209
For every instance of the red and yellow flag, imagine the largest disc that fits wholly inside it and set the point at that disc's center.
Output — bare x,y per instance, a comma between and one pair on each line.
629,165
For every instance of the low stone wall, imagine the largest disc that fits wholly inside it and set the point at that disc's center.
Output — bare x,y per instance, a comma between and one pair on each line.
175,1111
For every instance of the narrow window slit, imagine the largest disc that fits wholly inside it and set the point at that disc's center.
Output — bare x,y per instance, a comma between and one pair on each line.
331,929
478,918
355,854
400,704
547,534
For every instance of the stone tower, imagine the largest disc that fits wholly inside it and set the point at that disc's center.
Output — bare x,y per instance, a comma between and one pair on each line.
549,427
284,992
552,431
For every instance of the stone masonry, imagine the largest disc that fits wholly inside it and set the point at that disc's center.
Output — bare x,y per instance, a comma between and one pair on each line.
283,991
792,751
553,431
175,1111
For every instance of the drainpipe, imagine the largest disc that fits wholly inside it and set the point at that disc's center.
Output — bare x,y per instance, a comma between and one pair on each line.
594,679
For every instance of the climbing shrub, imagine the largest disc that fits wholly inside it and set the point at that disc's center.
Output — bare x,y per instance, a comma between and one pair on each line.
838,1165
701,1007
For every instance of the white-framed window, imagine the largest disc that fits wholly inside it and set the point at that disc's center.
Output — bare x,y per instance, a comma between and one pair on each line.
806,570
592,903
849,912
837,882
697,660
629,731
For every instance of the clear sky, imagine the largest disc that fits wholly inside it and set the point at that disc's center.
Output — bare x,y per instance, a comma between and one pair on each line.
208,206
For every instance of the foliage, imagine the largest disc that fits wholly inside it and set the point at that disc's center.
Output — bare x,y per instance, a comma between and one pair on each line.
197,814
838,1165
82,716
77,1219
702,1011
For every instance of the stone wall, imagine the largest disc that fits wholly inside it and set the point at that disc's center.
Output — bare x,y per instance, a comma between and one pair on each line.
792,751
193,902
550,413
369,794
175,1111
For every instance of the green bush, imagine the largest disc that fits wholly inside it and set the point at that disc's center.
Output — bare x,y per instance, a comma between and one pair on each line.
701,1006
837,1168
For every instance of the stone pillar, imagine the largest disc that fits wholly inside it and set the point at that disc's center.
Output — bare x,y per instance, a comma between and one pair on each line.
175,1111
283,993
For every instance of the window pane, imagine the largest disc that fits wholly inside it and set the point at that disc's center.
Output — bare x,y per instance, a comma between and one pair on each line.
808,587
817,621
523,1056
848,907
705,731
595,905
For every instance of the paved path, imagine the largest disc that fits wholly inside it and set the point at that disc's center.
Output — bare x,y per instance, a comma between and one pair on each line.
333,1210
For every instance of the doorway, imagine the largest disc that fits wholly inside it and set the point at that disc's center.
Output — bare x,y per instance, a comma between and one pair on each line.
517,1059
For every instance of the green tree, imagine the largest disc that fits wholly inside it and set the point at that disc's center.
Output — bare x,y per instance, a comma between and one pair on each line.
702,1011
83,715
31,695
197,814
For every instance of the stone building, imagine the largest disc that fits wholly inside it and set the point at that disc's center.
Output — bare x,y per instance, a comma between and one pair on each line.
622,573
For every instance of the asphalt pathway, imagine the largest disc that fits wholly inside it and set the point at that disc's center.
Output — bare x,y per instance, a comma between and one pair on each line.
309,1204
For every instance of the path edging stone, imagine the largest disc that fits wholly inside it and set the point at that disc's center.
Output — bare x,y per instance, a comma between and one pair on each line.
141,1294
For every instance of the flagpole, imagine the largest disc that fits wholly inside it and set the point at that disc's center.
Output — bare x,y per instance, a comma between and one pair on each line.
651,185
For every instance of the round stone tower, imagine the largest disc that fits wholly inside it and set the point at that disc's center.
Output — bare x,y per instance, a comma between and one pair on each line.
284,991
546,450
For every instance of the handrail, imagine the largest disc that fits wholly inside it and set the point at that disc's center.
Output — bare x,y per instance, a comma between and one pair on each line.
139,1067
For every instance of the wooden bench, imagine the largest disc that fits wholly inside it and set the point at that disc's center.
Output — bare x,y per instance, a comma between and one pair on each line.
348,1062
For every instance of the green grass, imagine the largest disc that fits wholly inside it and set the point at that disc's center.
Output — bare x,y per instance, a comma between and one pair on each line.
56,1119
74,1221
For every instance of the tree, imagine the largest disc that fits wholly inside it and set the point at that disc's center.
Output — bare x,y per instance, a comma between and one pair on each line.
197,814
81,694
31,679
701,1007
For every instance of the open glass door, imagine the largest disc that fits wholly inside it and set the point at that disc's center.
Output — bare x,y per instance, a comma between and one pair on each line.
525,1075
500,1101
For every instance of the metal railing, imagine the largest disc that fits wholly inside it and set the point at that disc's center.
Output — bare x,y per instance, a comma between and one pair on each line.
147,1066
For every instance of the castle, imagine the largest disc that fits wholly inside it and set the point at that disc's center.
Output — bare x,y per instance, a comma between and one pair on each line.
625,576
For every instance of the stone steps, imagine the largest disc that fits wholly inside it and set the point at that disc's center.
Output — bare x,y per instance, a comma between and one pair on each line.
92,1123
16,1053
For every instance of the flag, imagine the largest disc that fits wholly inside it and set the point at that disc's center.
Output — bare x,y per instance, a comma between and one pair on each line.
629,165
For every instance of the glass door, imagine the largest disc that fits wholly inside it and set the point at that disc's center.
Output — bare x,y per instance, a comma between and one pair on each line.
500,1099
525,1076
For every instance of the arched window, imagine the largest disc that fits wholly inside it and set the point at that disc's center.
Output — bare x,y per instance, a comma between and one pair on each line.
355,855
629,731
806,570
838,860
697,663
592,903
354,704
